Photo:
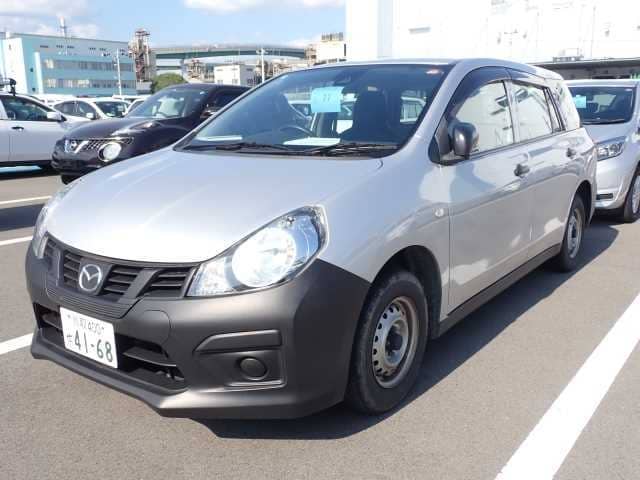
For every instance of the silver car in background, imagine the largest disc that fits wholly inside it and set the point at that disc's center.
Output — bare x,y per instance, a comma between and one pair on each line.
610,111
279,259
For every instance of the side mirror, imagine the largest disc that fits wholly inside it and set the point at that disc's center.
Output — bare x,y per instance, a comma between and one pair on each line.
464,139
90,115
209,111
55,116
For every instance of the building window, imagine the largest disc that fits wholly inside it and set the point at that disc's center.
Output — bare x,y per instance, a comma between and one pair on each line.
44,46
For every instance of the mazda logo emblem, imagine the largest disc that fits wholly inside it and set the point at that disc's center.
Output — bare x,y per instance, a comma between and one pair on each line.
90,278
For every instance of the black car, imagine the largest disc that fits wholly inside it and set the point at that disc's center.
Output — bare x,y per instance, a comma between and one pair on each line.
160,121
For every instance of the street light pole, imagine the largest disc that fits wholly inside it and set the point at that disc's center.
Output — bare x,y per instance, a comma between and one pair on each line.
261,52
118,69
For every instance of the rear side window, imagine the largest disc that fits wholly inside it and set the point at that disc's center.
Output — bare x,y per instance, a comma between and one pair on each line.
223,98
487,108
564,100
534,116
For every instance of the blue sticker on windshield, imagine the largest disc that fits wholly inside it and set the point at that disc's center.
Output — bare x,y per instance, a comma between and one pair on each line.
580,101
326,100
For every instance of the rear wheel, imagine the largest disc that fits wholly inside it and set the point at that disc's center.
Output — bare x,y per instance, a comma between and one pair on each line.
389,344
630,211
567,259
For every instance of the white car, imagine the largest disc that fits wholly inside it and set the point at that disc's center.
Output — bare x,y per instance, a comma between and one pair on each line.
29,130
93,108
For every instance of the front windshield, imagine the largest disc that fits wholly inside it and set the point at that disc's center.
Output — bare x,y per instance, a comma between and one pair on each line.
369,107
113,109
171,102
604,104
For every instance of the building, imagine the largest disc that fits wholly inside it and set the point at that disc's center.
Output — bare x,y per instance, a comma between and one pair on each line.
45,64
330,49
522,30
236,74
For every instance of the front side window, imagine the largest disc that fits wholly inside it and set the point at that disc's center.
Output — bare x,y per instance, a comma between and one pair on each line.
23,110
66,107
487,109
372,108
172,102
534,116
603,104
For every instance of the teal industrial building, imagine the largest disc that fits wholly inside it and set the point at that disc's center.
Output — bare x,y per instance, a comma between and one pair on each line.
44,64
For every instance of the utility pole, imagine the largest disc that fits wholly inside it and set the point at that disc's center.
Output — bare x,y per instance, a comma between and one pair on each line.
118,69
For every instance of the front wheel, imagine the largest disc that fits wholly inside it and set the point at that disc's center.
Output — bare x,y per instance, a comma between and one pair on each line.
389,345
567,259
631,209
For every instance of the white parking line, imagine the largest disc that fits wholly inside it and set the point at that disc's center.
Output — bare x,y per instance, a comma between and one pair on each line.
15,344
15,240
24,200
542,453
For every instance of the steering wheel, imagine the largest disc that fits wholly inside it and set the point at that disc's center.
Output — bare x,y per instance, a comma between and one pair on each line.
162,113
296,128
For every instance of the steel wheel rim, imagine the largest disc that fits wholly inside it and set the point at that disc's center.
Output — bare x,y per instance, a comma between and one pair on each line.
574,233
635,195
394,342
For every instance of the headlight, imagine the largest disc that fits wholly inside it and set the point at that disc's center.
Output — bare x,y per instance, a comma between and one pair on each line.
273,255
110,151
611,148
38,241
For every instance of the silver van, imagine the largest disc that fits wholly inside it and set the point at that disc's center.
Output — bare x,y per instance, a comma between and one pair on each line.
269,265
610,111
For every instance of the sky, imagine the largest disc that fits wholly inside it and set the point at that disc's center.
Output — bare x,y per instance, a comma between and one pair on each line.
175,22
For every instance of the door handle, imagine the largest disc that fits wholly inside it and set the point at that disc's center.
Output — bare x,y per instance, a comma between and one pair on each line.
521,170
571,152
17,127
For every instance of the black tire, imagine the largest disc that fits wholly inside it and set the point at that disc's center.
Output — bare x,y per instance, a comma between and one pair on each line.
630,212
364,390
567,259
66,179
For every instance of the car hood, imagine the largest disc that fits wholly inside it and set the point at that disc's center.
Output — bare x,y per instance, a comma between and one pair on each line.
179,207
105,128
604,132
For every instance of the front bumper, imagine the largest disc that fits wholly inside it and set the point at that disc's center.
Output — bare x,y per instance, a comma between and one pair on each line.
83,162
302,332
614,177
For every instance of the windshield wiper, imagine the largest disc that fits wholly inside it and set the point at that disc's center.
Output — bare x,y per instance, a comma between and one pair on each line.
236,146
343,149
599,121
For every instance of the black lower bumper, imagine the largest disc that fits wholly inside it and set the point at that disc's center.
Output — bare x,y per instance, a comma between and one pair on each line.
297,337
75,167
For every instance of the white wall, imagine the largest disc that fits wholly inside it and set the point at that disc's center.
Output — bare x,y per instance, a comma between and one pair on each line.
525,30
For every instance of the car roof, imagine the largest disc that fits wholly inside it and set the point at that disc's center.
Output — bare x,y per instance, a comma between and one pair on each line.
613,82
206,86
465,63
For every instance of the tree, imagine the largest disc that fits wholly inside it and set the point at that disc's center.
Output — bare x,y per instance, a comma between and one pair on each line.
166,80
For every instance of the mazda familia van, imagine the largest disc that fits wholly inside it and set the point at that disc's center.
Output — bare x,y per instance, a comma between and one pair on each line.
277,261
610,111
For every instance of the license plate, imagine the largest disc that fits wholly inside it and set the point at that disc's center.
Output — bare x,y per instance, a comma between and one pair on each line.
89,337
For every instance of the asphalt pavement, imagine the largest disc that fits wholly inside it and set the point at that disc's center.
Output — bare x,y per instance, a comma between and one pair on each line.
484,387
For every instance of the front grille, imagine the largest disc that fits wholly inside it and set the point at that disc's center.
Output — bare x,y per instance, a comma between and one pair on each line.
124,279
94,144
139,359
167,282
